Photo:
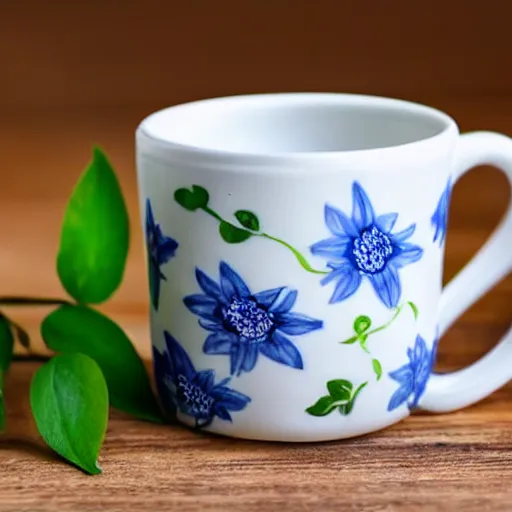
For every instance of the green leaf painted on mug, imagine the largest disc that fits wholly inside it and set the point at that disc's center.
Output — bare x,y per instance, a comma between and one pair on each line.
95,235
346,409
361,324
414,308
363,339
69,401
339,389
358,390
377,368
322,407
71,329
233,235
193,199
248,220
354,339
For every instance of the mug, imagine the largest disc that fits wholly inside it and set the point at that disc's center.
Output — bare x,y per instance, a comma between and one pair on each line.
295,248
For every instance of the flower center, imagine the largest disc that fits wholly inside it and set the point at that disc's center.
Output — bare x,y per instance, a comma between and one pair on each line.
248,319
372,250
196,401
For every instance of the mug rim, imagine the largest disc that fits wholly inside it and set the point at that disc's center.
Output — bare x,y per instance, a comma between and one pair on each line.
203,156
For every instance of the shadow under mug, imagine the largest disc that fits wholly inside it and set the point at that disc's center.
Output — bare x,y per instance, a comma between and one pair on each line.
295,248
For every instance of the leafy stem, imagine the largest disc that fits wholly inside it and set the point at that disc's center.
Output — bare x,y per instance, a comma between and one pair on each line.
197,198
362,325
341,396
213,213
96,363
362,332
388,323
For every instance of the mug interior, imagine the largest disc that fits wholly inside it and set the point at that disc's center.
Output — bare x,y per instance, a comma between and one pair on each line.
269,124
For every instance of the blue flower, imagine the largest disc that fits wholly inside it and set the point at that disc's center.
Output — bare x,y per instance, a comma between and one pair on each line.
364,246
193,393
244,325
161,249
414,375
439,219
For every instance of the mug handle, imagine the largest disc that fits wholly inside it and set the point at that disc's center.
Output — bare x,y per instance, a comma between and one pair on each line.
448,392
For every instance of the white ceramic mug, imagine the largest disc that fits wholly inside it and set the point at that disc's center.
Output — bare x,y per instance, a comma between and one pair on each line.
295,254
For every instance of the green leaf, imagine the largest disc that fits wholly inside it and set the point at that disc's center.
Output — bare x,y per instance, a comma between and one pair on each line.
363,338
248,220
377,368
95,235
322,407
231,234
192,199
358,390
347,408
354,339
72,329
414,308
69,401
339,389
344,409
6,344
361,324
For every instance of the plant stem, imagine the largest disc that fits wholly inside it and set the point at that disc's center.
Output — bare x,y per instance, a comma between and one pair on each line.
21,333
387,324
213,213
358,390
31,301
337,403
363,336
300,258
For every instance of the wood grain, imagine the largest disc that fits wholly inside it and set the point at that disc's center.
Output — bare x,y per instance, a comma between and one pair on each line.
442,463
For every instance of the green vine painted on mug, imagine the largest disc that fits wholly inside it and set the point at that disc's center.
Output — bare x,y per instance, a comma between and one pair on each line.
197,198
342,396
362,332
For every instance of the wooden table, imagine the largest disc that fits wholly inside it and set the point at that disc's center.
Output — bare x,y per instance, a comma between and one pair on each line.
459,461
452,462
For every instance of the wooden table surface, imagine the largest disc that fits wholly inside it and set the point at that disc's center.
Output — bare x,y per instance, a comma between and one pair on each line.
451,462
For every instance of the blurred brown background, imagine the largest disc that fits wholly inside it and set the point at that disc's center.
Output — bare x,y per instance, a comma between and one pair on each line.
75,74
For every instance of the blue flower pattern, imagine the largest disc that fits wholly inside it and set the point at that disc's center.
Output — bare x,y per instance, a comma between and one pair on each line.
243,325
439,219
161,249
413,376
365,246
193,393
